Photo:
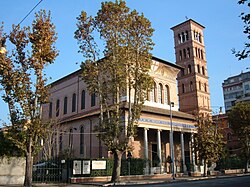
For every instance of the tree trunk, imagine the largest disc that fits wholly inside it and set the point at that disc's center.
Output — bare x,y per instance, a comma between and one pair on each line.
246,165
205,168
29,165
117,166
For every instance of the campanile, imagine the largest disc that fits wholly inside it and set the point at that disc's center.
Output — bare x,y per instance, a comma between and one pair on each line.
193,87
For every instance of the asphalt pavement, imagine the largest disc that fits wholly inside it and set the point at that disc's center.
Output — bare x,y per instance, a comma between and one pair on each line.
136,182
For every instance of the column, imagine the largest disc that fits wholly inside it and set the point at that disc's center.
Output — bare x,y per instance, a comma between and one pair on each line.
192,151
146,150
171,140
159,147
183,164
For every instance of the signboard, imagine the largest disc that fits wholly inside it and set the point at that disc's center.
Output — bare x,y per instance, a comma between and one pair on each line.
98,164
86,167
77,167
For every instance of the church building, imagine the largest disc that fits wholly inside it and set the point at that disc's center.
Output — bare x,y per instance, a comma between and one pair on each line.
181,90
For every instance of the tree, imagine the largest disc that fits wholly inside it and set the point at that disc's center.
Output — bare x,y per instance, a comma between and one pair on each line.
208,141
23,82
245,53
8,148
239,120
121,76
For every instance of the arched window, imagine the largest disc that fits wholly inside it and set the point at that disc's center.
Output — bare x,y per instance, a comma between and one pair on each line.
153,94
50,109
191,86
70,138
203,70
183,37
205,87
198,68
184,53
160,93
57,107
179,38
166,95
187,35
93,98
83,100
65,105
180,54
60,141
188,52
196,52
82,140
201,54
183,88
200,40
199,85
73,102
189,69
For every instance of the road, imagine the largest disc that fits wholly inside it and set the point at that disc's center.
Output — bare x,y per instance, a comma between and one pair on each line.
240,181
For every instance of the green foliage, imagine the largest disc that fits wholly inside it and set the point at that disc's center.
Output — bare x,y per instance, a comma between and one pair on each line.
123,71
8,148
136,166
23,81
239,120
230,163
245,17
209,140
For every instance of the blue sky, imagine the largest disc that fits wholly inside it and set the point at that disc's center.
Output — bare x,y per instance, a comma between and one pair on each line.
223,31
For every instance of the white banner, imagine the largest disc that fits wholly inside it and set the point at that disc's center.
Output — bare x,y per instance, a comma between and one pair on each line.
98,164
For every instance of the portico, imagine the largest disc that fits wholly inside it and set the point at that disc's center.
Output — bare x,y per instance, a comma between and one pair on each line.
153,141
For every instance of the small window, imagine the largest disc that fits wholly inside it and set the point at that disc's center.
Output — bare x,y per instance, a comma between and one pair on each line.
187,35
202,55
183,88
82,140
188,52
180,54
60,141
65,105
179,38
199,85
83,100
93,98
166,95
203,70
199,52
191,86
57,107
189,69
183,37
74,102
70,138
184,53
153,93
160,93
198,68
205,87
50,109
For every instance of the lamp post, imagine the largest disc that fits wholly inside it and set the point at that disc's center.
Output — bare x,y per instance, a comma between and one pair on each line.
172,142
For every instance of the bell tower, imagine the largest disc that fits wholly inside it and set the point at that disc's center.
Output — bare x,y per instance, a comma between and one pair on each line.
193,87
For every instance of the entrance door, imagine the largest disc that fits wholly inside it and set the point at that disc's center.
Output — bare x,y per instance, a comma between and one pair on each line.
155,157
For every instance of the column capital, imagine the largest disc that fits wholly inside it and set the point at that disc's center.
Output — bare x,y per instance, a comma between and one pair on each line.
146,129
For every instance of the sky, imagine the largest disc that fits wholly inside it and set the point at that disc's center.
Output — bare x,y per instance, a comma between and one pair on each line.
223,31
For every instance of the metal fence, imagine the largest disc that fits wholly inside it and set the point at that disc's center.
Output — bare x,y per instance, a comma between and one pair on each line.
48,171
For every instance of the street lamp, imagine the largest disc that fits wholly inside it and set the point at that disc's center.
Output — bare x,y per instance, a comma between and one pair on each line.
172,141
